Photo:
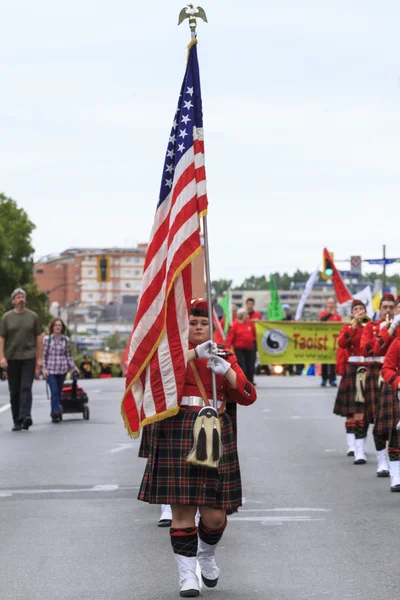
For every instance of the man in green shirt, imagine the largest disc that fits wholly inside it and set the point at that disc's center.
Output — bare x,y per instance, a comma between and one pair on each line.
21,350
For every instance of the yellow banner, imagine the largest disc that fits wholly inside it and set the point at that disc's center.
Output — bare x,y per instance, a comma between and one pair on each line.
107,358
294,342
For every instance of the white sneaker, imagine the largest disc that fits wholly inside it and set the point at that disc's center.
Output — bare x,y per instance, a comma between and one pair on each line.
187,576
383,466
351,444
359,455
208,566
394,469
165,516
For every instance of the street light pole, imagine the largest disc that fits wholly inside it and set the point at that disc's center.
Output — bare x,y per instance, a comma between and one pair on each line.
384,272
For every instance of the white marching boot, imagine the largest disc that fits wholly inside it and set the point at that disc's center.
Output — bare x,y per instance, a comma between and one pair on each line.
208,566
394,469
351,444
383,464
359,455
187,576
165,516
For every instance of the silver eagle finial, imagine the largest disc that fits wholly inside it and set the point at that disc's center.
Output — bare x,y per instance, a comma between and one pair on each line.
192,13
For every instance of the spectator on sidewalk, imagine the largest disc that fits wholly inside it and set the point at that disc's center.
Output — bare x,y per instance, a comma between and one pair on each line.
57,361
241,339
20,354
330,314
253,315
86,367
291,369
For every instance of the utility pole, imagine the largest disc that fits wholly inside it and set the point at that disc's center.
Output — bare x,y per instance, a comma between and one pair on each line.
384,272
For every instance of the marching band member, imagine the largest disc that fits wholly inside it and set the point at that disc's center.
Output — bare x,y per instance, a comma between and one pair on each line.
170,479
374,348
388,413
348,404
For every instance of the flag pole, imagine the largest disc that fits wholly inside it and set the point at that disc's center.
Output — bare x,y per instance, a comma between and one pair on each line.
193,13
209,301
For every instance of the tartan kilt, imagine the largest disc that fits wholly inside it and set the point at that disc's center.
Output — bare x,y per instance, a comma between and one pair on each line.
144,449
372,391
388,414
169,479
345,403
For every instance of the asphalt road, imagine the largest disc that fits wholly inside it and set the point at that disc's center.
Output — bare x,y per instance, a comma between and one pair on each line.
313,526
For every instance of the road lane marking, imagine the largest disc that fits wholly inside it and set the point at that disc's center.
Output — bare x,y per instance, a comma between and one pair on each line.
125,446
302,519
325,510
102,488
5,407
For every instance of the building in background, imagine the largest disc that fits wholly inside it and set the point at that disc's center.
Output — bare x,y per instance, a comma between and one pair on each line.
77,276
100,284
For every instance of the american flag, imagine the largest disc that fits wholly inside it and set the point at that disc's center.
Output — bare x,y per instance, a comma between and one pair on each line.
159,344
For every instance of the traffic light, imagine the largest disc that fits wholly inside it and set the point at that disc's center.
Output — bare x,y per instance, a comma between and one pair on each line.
103,269
327,266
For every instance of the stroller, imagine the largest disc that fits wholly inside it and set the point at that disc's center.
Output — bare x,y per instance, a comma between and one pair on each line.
74,399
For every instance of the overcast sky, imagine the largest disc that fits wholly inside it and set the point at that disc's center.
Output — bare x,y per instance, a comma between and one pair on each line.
301,114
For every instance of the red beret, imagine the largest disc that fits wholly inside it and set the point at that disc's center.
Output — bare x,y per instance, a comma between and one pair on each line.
357,302
388,298
199,307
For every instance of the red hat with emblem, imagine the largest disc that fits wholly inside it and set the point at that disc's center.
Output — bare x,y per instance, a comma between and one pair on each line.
388,298
199,307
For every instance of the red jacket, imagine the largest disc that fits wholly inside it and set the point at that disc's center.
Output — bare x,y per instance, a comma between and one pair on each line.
384,339
333,317
342,358
245,392
241,335
350,339
254,316
390,369
375,341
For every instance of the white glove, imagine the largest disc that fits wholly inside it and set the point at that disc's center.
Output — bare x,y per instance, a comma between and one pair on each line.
395,322
382,325
206,350
218,365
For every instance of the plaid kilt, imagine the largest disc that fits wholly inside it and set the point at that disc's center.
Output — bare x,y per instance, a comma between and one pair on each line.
388,414
345,403
169,479
372,391
144,449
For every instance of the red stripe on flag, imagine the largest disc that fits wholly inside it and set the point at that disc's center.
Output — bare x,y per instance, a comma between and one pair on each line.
156,383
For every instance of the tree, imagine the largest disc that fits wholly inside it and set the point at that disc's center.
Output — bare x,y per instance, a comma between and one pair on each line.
16,258
254,283
116,341
219,287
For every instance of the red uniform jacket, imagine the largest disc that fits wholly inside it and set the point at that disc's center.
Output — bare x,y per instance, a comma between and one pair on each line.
384,339
349,345
350,339
333,317
245,393
375,341
391,366
241,336
342,358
